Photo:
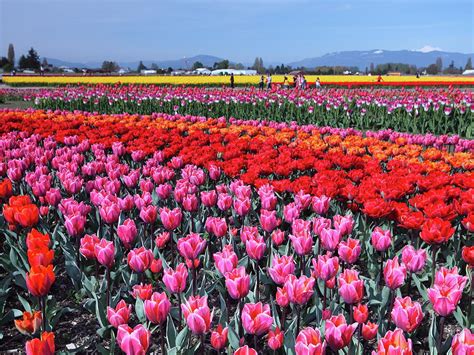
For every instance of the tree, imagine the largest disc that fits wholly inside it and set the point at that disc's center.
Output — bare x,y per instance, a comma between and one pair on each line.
109,66
141,67
31,61
372,67
258,65
432,69
154,66
44,63
11,54
439,64
224,64
197,65
3,61
468,64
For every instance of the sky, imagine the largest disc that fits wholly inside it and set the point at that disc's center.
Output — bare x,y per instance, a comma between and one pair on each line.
240,30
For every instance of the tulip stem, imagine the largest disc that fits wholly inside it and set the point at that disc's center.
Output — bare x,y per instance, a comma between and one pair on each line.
257,282
180,311
42,302
283,318
440,338
194,280
324,296
298,311
434,249
381,269
162,337
302,265
108,286
203,348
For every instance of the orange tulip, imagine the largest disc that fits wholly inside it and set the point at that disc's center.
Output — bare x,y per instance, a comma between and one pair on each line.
39,280
40,256
43,346
6,189
27,215
30,323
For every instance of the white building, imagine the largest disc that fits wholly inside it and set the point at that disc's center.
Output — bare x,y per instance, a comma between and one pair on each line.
468,72
202,71
234,71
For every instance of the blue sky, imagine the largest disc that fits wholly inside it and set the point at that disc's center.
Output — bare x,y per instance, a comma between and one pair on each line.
277,30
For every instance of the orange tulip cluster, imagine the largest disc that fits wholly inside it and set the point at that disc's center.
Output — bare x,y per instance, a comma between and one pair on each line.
20,211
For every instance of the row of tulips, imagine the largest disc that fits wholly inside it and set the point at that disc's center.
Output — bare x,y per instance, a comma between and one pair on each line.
445,111
213,262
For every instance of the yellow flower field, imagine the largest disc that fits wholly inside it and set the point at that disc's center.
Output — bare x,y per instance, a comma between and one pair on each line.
216,80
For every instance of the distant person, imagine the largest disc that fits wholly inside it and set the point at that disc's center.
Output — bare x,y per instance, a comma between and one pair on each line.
318,83
286,83
261,82
41,70
13,72
232,85
303,82
379,79
417,75
269,82
295,81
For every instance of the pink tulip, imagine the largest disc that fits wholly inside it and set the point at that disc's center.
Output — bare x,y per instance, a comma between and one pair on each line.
303,243
133,341
394,273
282,266
216,226
226,260
245,350
127,232
381,239
224,201
110,212
369,330
214,172
219,337
282,298
349,250
75,224
268,201
119,315
394,343
278,237
191,246
242,206
406,314
142,291
463,343
104,251
255,247
308,342
330,238
148,214
171,219
319,224
320,205
139,259
269,220
190,203
197,314
414,260
338,333
275,339
175,281
237,283
343,224
446,291
256,318
209,198
299,289
325,267
351,288
157,308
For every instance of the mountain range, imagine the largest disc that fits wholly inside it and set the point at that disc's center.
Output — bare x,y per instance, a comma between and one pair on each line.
360,59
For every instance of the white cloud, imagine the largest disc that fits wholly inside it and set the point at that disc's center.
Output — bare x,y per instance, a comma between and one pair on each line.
428,48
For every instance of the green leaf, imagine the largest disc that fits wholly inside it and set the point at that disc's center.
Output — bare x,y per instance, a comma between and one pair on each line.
140,310
181,338
25,304
171,333
233,338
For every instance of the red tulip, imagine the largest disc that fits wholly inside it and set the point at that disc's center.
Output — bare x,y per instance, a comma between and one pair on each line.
6,189
197,314
468,255
119,315
43,346
87,248
39,280
338,333
436,231
30,323
256,318
142,291
27,215
237,283
37,240
133,341
394,343
369,330
309,341
157,308
406,314
40,256
219,337
361,313
245,350
275,339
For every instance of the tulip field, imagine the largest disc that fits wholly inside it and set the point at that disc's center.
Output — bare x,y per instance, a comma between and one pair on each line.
178,220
